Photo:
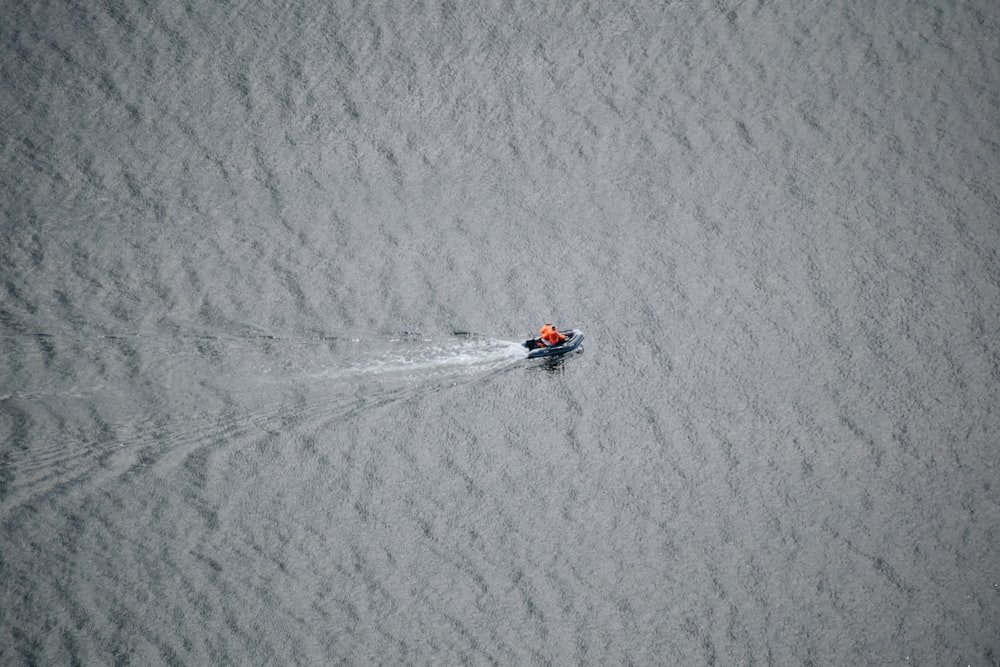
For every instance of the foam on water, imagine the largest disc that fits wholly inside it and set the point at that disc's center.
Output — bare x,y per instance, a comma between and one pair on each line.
433,357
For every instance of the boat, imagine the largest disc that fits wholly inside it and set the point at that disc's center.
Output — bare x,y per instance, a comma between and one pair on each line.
538,349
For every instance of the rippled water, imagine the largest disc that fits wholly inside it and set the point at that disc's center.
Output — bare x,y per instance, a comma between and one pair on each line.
266,268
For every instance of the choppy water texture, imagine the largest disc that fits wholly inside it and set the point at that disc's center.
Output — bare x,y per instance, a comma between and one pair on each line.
265,269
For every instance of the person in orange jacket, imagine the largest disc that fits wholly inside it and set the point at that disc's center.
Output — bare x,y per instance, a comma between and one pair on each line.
551,336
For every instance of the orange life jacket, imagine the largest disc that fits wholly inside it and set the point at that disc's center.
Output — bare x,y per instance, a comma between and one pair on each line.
552,336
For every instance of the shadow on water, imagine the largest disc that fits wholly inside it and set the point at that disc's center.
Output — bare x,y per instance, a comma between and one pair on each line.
553,365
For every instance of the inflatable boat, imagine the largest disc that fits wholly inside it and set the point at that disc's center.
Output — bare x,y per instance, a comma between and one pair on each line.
537,348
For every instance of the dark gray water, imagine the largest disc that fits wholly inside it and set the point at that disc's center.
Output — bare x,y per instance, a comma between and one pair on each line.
242,419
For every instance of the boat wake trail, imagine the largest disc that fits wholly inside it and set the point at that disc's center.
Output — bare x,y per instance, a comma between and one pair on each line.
414,358
148,400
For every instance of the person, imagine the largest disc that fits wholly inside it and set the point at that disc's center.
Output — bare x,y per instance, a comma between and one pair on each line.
551,336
